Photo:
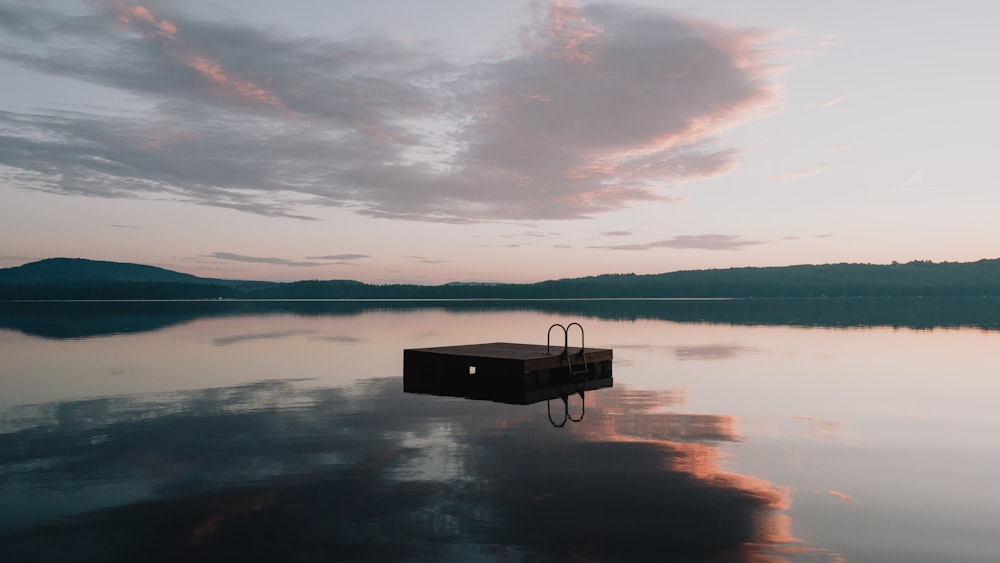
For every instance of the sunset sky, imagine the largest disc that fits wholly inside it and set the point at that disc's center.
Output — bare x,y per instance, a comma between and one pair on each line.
496,140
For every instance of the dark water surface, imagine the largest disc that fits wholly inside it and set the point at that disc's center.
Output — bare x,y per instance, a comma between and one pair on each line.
735,431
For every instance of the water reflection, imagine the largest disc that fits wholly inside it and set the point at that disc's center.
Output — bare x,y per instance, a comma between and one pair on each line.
874,441
87,319
278,470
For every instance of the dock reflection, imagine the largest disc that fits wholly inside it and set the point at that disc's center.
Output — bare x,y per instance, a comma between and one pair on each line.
517,374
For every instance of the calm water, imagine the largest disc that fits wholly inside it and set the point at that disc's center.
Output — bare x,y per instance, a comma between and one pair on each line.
854,431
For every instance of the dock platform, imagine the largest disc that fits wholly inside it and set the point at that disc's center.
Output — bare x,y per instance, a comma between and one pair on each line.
506,372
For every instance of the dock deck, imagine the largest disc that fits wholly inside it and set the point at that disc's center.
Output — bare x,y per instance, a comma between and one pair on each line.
506,372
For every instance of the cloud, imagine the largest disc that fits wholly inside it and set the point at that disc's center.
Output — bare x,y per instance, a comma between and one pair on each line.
621,233
704,242
833,101
842,496
262,260
142,18
828,40
598,108
341,257
795,237
209,72
530,234
426,260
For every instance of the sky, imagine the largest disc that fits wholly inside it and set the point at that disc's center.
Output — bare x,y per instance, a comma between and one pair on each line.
393,141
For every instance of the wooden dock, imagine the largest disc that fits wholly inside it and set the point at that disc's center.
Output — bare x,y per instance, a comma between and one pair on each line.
506,372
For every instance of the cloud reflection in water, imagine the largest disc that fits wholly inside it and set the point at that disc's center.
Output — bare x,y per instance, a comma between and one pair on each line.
280,471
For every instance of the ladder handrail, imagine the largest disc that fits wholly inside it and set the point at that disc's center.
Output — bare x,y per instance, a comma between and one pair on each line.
565,399
565,352
569,326
569,362
583,404
548,406
581,384
548,337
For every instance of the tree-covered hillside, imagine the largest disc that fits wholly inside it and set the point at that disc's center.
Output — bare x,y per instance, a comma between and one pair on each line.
56,270
87,279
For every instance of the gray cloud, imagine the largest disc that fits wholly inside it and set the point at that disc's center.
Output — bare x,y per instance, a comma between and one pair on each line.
621,233
426,260
704,242
262,260
603,106
530,234
340,257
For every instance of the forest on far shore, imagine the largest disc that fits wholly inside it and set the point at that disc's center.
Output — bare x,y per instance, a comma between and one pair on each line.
80,279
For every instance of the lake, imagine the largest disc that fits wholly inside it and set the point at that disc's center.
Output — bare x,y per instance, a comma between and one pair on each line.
759,430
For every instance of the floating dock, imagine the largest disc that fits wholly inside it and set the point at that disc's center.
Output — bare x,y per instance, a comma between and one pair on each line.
506,372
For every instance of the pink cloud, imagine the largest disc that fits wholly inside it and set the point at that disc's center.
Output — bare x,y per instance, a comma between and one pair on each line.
842,496
165,28
600,107
573,37
140,16
126,14
833,101
632,103
220,82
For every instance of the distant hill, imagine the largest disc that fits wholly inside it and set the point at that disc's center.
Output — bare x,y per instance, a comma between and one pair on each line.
82,279
61,270
75,278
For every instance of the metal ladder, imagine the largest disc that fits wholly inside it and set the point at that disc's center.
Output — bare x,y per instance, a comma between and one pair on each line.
565,353
579,384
